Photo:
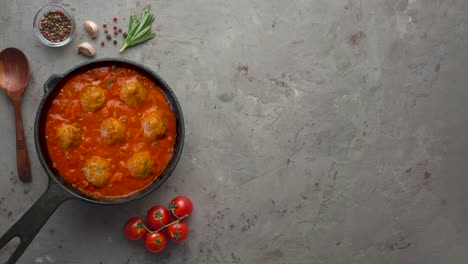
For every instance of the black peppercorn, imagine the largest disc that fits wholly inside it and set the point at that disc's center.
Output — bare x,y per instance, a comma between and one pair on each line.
55,26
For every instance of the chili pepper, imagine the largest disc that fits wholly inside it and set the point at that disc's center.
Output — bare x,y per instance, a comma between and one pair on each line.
104,25
116,32
115,27
106,31
102,43
115,18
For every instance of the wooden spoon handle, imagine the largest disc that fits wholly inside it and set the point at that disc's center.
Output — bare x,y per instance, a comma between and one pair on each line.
22,158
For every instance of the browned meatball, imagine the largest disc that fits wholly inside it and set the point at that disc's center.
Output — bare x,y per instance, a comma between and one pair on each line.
112,130
92,98
154,125
140,165
133,93
96,171
69,135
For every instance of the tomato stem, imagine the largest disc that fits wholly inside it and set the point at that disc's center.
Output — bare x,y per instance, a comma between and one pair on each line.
171,223
147,229
174,213
160,221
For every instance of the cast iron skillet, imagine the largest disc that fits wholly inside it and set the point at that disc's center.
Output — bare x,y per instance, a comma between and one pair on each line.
58,189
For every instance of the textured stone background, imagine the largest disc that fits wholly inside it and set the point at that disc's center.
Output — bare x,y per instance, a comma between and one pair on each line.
317,132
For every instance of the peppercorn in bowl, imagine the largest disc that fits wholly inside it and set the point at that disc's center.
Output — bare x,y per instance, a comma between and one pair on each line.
54,25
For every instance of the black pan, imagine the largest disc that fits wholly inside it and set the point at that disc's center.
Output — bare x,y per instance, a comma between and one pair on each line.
58,190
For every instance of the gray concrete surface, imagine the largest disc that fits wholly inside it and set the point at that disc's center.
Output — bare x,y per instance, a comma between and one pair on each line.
317,132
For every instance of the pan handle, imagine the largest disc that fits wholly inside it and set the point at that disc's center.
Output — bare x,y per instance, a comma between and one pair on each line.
53,80
27,227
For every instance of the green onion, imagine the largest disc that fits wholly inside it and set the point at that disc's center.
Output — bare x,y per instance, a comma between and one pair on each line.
109,83
139,30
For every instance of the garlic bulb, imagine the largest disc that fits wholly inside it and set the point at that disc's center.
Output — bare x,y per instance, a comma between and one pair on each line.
86,49
91,27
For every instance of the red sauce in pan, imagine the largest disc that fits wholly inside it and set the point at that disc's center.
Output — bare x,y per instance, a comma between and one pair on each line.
66,108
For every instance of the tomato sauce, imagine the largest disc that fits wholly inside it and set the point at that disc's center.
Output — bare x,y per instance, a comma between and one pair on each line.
66,108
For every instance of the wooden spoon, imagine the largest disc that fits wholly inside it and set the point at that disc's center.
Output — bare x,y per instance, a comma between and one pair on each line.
14,77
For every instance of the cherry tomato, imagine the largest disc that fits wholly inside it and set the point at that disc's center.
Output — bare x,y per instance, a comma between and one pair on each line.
180,206
135,228
155,242
178,232
157,217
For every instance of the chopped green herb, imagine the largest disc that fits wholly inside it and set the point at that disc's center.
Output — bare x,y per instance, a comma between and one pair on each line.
109,83
139,30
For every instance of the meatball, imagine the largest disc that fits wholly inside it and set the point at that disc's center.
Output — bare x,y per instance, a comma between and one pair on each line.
112,130
69,135
92,98
96,171
133,93
154,125
140,165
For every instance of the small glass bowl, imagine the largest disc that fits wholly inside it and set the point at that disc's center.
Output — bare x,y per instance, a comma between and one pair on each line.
40,15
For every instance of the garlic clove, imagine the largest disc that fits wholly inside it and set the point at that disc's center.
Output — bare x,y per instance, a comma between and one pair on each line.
91,27
86,49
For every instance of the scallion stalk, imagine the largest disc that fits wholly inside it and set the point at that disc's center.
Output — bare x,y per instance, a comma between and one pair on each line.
139,30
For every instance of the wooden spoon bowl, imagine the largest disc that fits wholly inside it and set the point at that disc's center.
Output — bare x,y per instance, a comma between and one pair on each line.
14,78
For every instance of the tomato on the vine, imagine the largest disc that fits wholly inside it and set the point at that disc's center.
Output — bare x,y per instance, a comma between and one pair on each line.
135,228
157,217
180,206
178,232
155,242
